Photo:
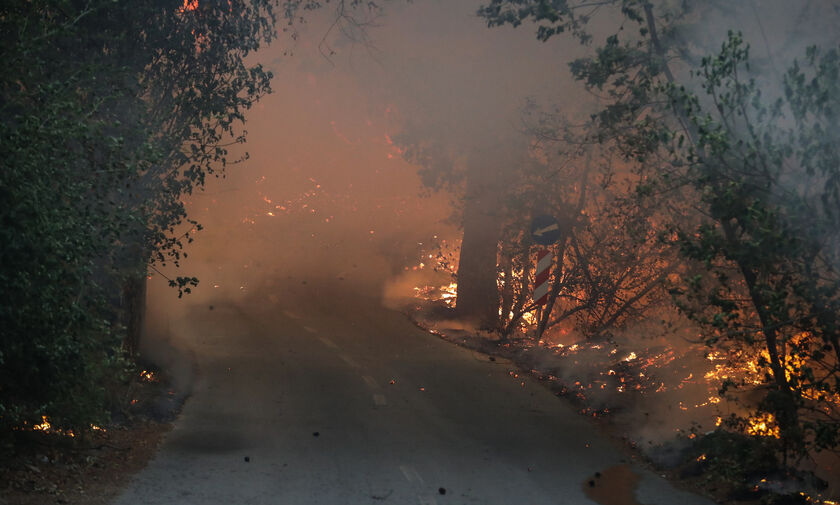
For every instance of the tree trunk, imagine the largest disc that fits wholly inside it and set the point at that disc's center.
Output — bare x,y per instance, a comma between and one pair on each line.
478,298
134,311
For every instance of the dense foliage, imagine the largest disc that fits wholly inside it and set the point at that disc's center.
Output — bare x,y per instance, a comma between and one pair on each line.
770,240
111,111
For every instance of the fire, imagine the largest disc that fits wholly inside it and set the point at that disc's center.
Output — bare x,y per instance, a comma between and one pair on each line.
44,426
763,425
694,372
449,293
148,376
189,5
441,257
47,427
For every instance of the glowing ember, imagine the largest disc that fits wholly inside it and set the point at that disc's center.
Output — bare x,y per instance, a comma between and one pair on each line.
529,318
148,376
189,5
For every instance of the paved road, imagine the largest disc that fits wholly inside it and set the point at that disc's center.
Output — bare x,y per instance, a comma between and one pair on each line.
399,414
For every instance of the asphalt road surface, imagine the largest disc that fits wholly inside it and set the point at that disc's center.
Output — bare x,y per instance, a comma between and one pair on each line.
327,398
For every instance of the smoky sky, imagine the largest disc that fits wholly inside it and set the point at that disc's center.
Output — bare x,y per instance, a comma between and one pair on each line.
326,197
322,159
325,191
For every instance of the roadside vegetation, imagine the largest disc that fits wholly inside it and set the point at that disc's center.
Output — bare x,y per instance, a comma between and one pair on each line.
112,112
700,187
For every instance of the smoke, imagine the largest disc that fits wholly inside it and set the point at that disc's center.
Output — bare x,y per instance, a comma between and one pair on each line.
325,195
326,201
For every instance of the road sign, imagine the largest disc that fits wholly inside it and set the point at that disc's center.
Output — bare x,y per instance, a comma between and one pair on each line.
545,230
541,280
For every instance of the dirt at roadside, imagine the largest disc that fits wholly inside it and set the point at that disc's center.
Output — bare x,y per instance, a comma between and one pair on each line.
41,468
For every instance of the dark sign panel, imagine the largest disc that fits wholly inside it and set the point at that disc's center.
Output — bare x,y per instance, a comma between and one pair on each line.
545,230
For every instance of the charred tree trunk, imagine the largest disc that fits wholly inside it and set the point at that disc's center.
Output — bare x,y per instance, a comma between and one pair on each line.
478,298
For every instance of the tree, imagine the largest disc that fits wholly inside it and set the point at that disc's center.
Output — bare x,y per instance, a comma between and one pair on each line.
110,112
771,240
479,174
750,184
607,270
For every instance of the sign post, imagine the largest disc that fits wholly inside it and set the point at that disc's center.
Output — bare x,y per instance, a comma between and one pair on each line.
545,230
541,281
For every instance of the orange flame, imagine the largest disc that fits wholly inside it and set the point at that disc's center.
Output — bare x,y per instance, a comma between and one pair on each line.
189,5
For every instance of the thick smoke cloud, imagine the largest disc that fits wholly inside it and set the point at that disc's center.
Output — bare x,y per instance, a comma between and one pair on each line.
326,198
322,160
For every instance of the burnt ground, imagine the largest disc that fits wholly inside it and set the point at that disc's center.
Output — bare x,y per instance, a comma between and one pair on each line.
41,468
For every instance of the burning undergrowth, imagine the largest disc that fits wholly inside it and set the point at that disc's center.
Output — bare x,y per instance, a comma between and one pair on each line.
652,379
661,394
44,463
658,388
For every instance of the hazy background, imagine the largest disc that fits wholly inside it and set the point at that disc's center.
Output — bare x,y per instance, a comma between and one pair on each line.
344,202
326,199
